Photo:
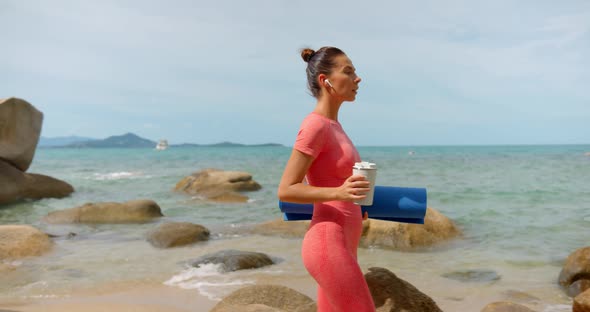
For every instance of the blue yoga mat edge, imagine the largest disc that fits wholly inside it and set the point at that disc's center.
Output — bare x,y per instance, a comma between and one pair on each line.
398,204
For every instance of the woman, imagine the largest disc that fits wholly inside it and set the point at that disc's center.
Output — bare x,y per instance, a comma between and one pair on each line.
324,155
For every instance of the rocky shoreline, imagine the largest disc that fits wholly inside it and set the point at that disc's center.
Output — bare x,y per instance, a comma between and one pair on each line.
19,119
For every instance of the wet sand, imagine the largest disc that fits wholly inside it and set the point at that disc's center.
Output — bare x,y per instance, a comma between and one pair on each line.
152,297
147,298
138,297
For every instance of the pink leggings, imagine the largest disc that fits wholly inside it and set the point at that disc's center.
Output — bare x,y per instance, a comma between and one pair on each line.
329,255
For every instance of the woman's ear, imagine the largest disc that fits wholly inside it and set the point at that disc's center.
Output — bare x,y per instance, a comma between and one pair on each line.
322,80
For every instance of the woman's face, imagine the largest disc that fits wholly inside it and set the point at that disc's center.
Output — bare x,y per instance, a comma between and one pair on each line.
345,82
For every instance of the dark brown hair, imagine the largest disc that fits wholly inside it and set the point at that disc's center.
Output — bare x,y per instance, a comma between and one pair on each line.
319,62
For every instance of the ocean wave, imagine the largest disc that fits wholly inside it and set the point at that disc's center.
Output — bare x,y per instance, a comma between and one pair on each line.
119,175
49,296
36,285
208,279
14,263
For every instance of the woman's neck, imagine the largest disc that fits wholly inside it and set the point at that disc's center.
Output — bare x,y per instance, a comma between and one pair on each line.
328,107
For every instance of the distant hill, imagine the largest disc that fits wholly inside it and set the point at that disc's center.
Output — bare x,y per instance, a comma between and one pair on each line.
61,141
125,140
128,140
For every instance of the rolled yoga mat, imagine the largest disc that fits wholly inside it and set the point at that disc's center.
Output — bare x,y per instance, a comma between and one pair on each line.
390,203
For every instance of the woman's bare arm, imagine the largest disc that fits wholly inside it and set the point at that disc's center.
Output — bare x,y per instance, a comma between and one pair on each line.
292,189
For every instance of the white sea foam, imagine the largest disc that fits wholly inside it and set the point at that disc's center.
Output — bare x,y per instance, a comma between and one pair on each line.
44,296
14,263
222,235
204,270
207,279
119,175
558,308
36,285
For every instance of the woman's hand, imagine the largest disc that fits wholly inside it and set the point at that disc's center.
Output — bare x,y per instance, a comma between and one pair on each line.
354,188
291,188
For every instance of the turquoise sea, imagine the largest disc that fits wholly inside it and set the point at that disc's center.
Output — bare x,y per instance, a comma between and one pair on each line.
522,209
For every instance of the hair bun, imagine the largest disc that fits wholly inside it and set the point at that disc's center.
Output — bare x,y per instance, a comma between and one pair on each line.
307,54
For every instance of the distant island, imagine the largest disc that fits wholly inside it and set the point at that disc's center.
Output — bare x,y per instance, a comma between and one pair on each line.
61,141
128,140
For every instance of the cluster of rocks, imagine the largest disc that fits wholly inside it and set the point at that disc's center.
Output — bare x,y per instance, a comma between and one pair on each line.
390,293
218,185
575,278
20,128
436,229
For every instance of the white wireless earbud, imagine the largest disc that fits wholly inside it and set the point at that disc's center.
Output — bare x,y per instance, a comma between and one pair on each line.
328,83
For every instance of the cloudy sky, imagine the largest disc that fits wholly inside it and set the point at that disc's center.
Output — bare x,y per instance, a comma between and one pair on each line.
434,72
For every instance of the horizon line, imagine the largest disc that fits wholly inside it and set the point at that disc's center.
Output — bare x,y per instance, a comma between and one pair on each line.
357,145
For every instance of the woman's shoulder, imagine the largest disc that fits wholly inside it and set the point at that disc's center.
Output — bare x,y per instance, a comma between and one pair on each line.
315,121
317,118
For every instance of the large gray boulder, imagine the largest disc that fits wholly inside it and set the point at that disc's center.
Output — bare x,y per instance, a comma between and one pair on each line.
20,128
436,229
19,241
12,181
234,260
392,294
218,185
266,298
134,211
16,185
575,274
175,234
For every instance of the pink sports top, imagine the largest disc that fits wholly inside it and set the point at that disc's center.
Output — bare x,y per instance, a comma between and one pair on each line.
325,140
329,249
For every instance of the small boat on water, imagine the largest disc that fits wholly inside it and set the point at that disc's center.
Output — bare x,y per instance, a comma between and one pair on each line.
162,145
